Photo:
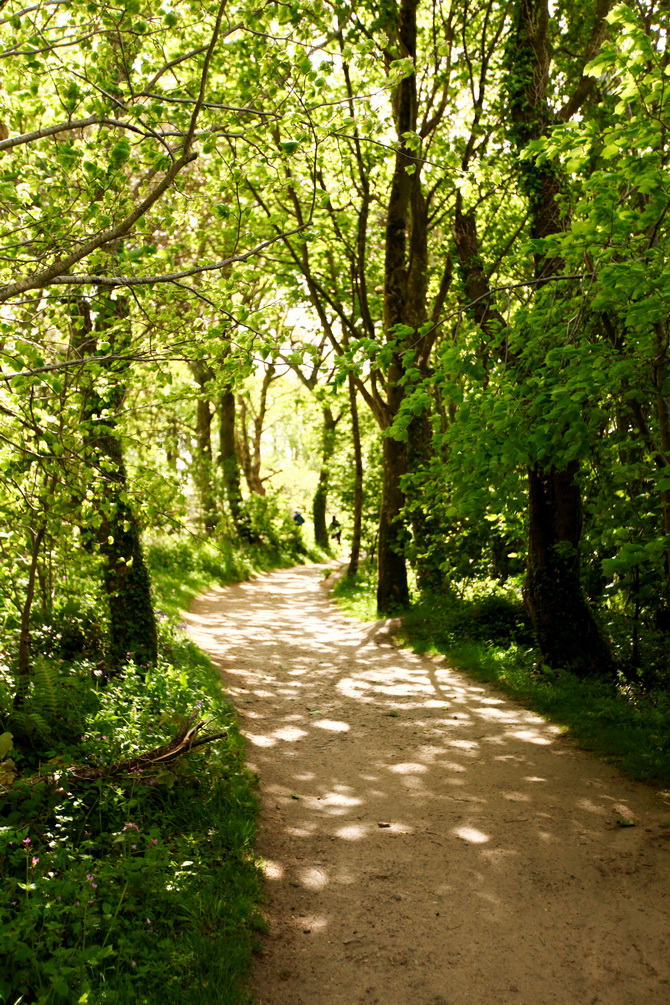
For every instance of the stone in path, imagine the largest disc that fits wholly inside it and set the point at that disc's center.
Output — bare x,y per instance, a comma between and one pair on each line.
425,840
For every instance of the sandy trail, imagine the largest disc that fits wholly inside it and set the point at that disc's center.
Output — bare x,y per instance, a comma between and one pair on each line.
426,840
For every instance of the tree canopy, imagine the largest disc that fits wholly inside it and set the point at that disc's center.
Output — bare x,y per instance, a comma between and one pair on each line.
400,264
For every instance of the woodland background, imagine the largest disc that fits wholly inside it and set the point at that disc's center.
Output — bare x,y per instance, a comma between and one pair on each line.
401,263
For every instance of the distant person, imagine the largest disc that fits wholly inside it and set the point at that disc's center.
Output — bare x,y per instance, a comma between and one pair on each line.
298,518
335,530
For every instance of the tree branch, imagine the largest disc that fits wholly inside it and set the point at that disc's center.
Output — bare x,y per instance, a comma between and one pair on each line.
61,127
40,279
168,277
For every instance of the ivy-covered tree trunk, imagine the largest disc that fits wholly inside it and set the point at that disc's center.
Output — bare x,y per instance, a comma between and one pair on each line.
126,577
132,622
567,632
405,278
357,515
320,502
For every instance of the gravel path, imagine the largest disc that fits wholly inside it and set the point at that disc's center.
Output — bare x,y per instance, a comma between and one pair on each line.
426,841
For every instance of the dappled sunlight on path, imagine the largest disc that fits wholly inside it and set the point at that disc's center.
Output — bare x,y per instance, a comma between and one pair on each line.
426,840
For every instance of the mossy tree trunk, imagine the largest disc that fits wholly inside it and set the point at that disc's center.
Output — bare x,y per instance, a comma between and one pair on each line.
132,621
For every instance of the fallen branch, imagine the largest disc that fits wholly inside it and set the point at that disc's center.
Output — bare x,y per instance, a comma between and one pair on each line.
187,738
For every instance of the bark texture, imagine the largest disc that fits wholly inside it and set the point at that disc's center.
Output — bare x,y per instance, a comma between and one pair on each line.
405,279
132,622
566,631
203,457
358,481
320,502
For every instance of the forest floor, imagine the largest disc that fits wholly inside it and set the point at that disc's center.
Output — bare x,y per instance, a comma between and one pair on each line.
425,840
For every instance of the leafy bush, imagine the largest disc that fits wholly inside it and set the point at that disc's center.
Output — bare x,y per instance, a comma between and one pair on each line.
142,887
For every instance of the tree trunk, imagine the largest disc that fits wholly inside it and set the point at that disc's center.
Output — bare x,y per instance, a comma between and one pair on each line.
405,278
566,631
126,577
203,458
320,502
392,586
358,482
250,445
230,468
426,530
24,637
132,622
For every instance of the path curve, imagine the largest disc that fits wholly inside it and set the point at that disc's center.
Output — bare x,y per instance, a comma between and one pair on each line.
426,840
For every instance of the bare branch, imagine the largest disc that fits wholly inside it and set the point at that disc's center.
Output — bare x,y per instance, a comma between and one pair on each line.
169,277
168,66
587,83
61,127
207,104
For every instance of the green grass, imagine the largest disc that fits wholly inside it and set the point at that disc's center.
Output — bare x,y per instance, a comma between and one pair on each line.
181,568
485,633
356,595
141,890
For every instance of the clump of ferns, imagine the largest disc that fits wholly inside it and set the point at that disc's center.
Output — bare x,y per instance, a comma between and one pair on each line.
40,700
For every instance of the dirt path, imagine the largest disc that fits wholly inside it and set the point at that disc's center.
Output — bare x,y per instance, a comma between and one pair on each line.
428,842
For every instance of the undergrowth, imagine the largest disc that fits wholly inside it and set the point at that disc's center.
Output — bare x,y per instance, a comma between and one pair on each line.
141,889
484,631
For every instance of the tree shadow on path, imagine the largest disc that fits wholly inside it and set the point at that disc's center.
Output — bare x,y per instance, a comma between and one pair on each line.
425,839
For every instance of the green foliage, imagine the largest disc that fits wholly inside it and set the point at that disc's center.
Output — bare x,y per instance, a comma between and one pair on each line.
123,891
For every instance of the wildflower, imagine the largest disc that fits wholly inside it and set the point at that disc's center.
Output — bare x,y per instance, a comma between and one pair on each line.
133,963
27,841
130,826
35,859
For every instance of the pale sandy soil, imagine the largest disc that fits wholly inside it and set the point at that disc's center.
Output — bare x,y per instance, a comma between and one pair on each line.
425,840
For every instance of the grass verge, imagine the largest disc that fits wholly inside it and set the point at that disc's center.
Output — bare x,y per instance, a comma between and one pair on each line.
180,569
485,633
